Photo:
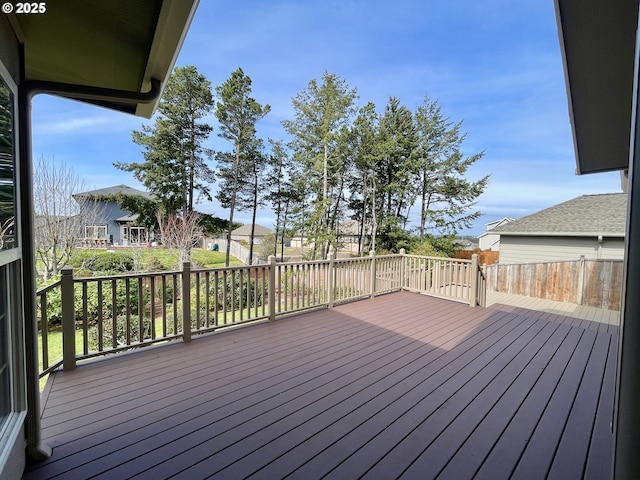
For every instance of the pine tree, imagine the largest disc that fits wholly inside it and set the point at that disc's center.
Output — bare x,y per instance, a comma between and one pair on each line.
238,113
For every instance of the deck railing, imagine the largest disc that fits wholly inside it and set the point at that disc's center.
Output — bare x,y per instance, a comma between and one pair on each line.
101,315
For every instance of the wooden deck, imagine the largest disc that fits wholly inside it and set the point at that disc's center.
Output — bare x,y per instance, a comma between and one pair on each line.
601,315
402,386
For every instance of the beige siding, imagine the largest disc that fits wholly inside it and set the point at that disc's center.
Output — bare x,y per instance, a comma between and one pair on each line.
613,249
514,249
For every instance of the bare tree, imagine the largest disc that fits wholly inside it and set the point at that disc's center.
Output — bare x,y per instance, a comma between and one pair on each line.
6,232
60,213
180,232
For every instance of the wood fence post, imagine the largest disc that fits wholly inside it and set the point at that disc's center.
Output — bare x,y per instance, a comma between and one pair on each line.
473,284
186,302
580,291
372,274
403,252
271,294
332,279
68,320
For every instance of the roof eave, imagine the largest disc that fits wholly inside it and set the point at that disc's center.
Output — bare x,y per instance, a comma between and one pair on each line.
597,40
562,234
171,30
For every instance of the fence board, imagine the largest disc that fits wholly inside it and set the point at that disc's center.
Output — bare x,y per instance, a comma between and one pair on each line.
593,283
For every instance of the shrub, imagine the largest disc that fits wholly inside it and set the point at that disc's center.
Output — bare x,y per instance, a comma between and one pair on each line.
135,335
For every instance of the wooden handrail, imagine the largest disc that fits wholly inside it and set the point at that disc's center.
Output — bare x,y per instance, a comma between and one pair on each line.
138,309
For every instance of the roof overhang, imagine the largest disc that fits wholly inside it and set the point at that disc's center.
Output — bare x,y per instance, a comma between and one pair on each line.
561,234
108,46
597,39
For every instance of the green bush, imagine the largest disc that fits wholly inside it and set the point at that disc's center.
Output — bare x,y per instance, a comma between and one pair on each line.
135,335
241,290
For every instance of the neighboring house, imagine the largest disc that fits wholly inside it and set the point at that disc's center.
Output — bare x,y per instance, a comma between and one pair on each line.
592,226
95,54
111,225
464,244
350,236
243,234
490,240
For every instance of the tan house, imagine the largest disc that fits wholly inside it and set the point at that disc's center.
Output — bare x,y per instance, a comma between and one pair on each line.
592,226
243,234
490,240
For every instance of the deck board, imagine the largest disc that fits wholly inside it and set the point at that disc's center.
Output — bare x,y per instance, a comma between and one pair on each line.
403,384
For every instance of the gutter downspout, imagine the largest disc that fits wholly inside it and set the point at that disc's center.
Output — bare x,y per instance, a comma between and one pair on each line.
36,449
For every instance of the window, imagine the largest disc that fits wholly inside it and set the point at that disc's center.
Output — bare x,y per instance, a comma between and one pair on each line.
97,232
6,406
10,272
7,171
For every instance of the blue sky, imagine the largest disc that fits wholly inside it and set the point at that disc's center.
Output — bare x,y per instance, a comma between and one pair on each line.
494,64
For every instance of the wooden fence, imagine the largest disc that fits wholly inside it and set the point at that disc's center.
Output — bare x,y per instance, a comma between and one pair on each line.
593,283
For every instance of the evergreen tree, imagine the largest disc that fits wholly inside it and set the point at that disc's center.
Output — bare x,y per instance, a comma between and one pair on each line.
174,167
396,175
238,113
446,196
322,114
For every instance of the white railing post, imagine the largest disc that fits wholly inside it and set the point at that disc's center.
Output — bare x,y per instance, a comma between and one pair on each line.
186,302
332,278
473,283
272,288
403,252
372,274
68,320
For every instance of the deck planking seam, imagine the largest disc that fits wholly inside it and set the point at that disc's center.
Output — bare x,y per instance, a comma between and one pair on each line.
320,412
468,458
230,455
258,346
427,447
600,458
170,359
244,372
341,448
337,392
570,457
537,459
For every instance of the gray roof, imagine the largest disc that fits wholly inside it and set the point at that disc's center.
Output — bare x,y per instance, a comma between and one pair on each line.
588,215
259,231
123,189
127,218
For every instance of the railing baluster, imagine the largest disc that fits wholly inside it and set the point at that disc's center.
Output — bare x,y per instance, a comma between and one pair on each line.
207,299
216,306
163,299
44,329
174,294
197,306
152,305
127,306
114,314
140,309
224,297
85,320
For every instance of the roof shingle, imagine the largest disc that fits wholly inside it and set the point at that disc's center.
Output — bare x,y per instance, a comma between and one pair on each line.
602,214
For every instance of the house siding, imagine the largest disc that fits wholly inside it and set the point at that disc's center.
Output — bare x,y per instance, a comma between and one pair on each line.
109,211
490,241
528,249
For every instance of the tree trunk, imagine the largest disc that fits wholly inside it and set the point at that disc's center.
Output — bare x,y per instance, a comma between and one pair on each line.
232,205
255,209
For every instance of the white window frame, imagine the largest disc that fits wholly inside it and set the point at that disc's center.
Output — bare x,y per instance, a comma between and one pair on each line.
93,231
